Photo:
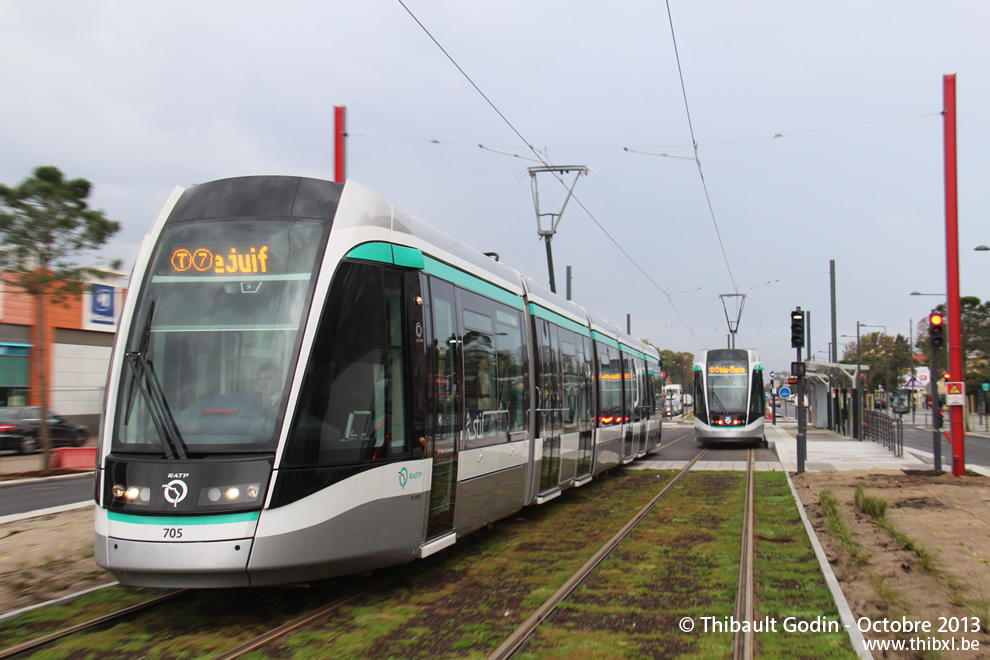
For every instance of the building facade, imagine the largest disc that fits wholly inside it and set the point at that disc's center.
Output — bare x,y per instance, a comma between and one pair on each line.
78,339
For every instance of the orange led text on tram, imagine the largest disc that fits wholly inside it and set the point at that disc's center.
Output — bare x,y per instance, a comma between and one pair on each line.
731,369
205,261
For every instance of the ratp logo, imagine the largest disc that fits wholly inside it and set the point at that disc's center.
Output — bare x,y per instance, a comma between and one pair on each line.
405,476
175,491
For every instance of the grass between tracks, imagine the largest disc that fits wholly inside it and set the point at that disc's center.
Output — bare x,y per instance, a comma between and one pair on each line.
790,588
466,605
43,620
683,562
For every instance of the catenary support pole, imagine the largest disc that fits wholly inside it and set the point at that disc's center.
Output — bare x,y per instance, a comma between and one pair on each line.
952,264
339,133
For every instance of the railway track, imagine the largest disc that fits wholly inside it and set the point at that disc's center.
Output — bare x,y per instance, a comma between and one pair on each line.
313,617
742,643
317,615
105,620
742,647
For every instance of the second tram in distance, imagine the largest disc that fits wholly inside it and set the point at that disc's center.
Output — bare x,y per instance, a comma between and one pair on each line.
729,400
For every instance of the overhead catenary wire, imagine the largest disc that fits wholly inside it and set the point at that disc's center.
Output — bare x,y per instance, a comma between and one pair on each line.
652,150
540,158
694,143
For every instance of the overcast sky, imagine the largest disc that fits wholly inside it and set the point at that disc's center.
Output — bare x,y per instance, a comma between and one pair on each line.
818,128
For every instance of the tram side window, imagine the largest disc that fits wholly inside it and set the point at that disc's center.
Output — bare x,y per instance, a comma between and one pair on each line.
396,376
757,399
610,386
587,359
700,410
512,395
486,424
351,400
571,380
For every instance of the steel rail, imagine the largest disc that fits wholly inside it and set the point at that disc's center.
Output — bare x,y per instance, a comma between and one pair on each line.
44,640
309,618
517,639
742,643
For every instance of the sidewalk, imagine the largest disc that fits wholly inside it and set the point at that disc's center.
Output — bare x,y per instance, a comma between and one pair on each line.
828,450
11,463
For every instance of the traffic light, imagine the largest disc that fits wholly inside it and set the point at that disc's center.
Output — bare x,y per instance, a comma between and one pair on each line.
946,377
936,330
797,328
936,405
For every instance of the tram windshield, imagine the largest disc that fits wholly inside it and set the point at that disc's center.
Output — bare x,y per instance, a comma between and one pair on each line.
728,386
215,334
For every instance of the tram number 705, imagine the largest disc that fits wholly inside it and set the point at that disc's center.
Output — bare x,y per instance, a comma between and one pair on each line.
173,533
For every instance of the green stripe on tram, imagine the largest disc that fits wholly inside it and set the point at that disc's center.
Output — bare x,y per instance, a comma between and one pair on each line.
381,252
626,348
564,322
468,281
175,521
407,257
387,253
604,339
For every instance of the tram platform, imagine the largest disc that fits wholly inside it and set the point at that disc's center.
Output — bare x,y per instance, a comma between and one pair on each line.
827,450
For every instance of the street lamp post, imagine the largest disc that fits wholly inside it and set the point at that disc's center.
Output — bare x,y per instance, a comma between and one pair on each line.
860,394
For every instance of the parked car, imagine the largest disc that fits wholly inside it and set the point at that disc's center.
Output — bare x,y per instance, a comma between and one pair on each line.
19,429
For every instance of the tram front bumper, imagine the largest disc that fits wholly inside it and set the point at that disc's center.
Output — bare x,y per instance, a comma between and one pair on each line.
175,565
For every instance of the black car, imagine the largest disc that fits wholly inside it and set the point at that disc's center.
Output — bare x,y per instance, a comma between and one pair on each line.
19,430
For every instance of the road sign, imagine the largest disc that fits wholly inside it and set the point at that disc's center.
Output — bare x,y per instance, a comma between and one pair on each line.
784,393
955,394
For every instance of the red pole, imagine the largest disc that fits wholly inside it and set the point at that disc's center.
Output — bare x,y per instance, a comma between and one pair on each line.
338,134
952,264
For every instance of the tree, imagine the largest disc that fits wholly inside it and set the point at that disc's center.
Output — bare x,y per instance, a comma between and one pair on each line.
886,357
678,366
45,225
975,317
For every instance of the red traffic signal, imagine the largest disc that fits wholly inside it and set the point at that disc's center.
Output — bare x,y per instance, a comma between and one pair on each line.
936,330
946,377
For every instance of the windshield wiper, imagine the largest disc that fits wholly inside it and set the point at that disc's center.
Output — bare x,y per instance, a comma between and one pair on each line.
713,396
147,382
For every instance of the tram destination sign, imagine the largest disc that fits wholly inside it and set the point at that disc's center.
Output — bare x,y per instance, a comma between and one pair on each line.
203,260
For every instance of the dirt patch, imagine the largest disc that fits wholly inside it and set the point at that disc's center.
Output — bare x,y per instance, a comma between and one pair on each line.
47,557
945,517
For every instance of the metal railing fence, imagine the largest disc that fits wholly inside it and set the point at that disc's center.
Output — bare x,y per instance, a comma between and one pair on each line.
887,430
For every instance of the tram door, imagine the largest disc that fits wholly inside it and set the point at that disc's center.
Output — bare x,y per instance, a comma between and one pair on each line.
550,405
446,424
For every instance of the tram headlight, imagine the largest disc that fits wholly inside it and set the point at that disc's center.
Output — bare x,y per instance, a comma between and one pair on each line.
131,494
233,494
